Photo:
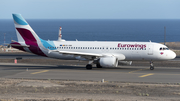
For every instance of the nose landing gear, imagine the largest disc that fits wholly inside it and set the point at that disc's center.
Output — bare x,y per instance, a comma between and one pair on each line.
151,65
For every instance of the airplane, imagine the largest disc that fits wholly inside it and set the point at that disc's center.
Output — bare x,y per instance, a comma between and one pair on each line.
101,53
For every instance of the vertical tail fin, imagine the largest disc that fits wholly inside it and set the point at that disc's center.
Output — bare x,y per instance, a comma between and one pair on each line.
23,30
26,36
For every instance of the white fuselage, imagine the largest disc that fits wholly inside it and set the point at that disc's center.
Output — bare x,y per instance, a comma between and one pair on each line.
128,51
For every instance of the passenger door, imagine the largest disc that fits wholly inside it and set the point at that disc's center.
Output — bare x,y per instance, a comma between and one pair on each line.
150,50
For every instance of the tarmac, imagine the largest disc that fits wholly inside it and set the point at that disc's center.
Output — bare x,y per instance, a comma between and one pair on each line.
64,72
71,70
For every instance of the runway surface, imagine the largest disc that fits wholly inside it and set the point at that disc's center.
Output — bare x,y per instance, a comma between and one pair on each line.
37,67
78,72
11,55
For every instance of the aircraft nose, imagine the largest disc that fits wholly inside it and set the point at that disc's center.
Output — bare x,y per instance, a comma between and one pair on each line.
172,55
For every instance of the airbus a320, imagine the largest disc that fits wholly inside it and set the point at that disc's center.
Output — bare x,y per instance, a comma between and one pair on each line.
101,53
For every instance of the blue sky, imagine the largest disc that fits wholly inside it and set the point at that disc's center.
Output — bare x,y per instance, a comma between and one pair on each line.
91,9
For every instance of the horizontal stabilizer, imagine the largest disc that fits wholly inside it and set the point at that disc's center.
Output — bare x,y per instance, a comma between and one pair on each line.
13,41
19,45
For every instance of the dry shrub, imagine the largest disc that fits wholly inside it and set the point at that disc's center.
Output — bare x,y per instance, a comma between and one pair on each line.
173,45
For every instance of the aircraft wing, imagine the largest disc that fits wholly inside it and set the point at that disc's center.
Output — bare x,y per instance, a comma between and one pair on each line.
80,53
89,55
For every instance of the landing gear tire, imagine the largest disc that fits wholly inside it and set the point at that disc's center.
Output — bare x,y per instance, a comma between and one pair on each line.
98,65
88,66
151,67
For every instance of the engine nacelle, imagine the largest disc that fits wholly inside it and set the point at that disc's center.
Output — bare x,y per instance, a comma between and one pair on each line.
109,61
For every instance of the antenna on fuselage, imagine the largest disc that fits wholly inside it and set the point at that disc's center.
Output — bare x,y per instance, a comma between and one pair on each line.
60,35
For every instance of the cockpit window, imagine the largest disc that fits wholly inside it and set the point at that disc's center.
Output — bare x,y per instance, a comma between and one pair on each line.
164,48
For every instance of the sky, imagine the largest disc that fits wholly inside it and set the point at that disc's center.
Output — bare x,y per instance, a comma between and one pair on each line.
91,9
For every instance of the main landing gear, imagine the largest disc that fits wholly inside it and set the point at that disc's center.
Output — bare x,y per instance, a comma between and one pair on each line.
89,65
98,65
151,65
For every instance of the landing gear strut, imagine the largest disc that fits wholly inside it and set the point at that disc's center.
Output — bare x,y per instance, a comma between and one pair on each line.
151,65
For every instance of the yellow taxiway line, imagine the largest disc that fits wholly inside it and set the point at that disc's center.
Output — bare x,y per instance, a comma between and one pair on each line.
40,72
137,70
146,75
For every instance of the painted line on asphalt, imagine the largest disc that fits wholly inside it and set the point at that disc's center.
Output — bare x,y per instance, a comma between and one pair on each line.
137,70
146,75
108,72
40,72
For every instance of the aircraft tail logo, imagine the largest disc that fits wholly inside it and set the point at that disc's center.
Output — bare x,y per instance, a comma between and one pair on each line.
26,36
23,30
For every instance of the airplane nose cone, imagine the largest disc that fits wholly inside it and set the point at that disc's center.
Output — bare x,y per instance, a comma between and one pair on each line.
173,55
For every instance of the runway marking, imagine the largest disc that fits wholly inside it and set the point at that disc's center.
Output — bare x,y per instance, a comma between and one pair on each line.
40,72
136,70
146,75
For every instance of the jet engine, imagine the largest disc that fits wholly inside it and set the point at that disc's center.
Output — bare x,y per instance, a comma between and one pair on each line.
109,61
